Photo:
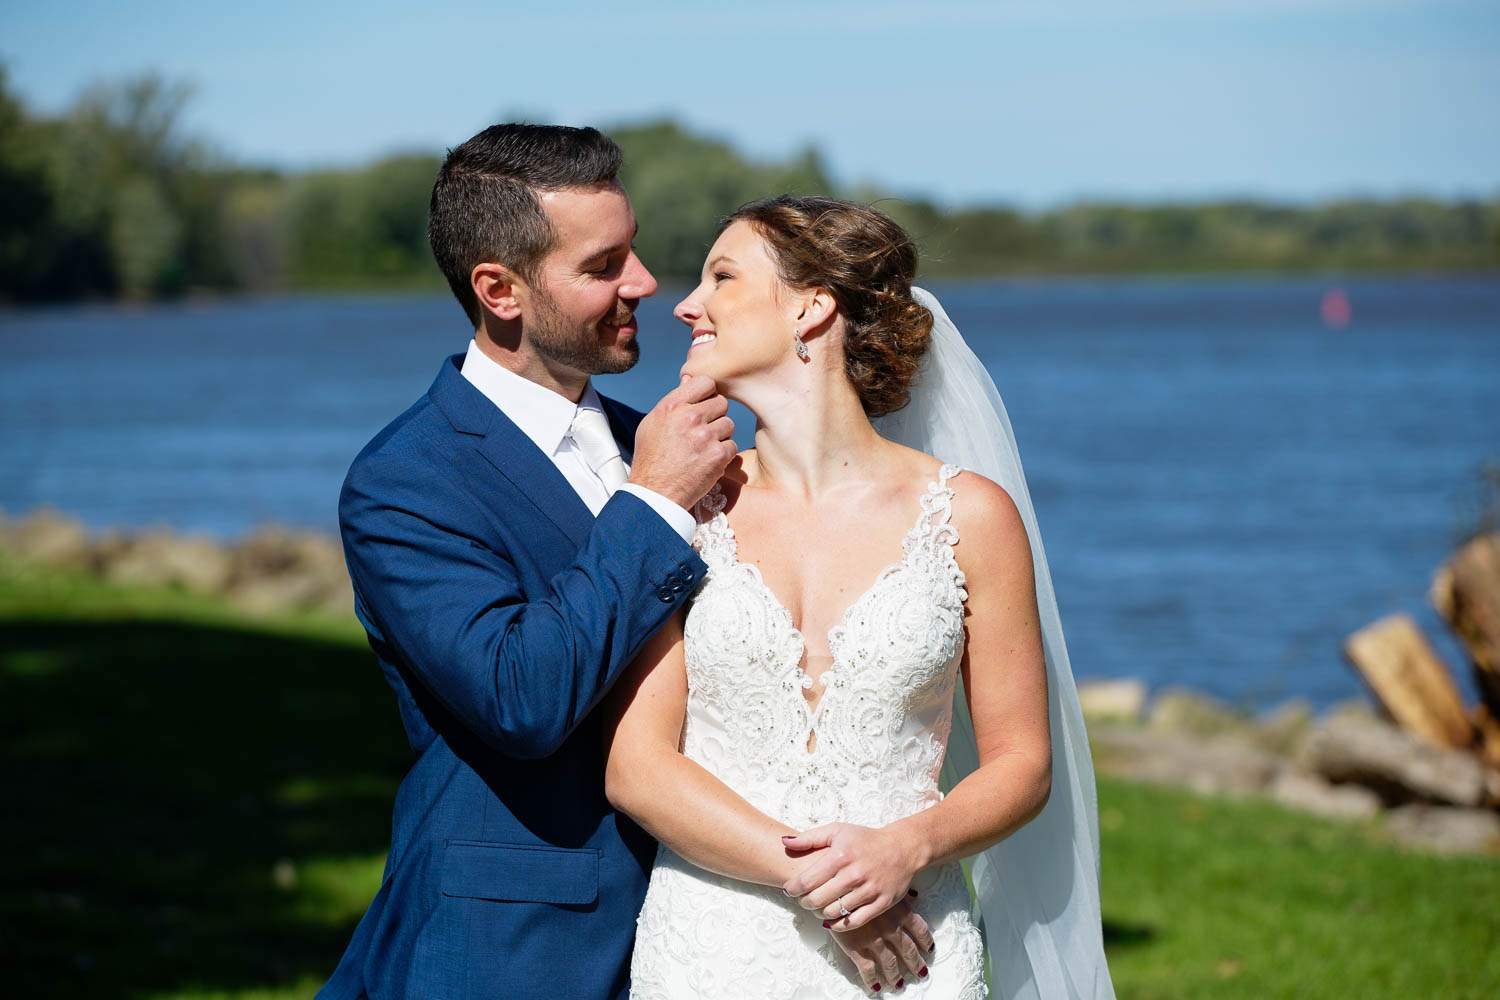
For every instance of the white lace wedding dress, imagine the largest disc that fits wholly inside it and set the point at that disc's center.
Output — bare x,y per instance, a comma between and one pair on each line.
877,735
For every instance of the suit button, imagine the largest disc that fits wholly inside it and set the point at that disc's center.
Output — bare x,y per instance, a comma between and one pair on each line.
677,587
666,595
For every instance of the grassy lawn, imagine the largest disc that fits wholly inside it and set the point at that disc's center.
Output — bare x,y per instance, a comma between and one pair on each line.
199,803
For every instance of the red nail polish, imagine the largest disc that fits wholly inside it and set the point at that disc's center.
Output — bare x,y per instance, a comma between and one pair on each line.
911,892
827,923
922,972
900,983
876,987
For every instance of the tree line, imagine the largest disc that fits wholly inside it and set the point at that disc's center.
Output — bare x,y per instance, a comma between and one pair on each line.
111,199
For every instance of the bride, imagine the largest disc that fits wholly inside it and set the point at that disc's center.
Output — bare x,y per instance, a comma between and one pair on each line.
877,628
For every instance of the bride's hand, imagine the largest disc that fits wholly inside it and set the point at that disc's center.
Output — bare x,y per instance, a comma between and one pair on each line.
888,949
861,874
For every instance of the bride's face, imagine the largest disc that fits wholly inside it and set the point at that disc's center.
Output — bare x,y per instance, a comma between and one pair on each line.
740,316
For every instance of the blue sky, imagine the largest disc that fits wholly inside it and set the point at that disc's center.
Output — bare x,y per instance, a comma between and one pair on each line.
1026,102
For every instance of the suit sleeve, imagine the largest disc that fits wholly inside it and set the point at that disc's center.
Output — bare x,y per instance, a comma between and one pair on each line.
521,674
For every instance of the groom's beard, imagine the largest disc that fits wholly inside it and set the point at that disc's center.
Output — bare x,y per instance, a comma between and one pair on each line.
580,348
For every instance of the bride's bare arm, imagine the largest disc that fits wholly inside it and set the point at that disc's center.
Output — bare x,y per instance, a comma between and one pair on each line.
1005,676
675,799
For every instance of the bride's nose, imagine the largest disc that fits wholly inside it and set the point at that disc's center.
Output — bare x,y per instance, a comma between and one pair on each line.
688,311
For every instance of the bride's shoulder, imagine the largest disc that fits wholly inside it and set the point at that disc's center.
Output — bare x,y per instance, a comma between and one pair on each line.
978,493
986,518
980,506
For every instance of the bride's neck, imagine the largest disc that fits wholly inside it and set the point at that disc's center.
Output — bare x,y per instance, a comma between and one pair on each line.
810,437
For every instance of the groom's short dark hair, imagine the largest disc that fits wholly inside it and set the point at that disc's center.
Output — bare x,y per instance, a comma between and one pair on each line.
485,206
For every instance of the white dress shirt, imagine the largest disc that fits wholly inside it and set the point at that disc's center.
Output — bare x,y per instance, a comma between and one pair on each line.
546,418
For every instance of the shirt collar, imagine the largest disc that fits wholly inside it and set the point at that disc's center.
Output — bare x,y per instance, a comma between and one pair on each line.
543,415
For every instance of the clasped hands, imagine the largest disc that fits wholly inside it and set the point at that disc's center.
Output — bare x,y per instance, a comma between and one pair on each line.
858,879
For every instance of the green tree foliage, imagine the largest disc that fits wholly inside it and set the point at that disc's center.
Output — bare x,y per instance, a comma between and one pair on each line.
254,227
361,227
681,185
27,235
112,199
115,201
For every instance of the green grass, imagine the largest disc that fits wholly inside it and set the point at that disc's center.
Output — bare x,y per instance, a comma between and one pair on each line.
199,803
1207,897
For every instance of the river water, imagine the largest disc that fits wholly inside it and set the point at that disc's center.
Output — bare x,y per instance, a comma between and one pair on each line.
1226,485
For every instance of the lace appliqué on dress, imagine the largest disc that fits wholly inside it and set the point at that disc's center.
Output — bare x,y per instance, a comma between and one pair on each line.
881,726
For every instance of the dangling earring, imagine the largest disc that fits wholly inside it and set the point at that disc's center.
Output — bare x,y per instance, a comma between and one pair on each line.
801,347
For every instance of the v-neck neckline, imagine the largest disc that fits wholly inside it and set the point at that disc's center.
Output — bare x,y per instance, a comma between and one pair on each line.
815,710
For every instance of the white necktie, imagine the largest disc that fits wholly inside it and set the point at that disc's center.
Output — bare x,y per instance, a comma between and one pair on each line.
591,433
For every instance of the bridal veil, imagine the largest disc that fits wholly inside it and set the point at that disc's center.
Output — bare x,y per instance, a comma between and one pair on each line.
1037,891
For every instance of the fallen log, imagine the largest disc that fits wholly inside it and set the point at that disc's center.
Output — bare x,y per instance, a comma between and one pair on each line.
1466,592
1410,681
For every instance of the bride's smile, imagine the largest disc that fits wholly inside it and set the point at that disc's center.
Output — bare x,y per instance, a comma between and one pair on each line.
741,328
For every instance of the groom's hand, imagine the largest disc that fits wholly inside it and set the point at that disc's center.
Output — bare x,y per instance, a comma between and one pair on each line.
685,443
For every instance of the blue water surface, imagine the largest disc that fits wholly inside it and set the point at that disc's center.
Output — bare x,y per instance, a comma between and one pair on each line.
1225,487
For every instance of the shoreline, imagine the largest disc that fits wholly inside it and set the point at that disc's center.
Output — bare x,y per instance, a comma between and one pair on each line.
420,287
272,569
1427,797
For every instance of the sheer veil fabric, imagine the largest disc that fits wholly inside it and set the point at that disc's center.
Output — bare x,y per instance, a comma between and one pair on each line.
1037,891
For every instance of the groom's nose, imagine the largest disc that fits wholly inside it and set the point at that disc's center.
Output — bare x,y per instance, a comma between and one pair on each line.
637,282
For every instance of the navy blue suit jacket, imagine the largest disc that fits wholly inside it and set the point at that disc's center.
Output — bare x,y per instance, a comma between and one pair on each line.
501,612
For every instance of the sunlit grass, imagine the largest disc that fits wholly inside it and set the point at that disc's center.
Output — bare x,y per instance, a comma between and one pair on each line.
1211,897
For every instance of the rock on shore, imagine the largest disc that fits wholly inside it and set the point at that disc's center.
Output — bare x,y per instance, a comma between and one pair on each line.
272,569
1348,764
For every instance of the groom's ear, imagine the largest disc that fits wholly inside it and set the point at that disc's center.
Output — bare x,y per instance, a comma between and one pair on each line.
495,287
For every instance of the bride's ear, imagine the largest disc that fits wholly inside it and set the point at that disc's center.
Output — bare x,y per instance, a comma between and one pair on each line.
818,309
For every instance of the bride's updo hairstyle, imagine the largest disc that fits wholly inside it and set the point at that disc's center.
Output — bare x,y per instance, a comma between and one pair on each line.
867,263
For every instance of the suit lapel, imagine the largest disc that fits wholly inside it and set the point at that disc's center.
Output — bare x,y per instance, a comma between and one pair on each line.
514,455
506,447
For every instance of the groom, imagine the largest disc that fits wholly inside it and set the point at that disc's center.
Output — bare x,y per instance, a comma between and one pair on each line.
513,539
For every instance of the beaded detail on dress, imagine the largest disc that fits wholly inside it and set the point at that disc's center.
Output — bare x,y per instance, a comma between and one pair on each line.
868,752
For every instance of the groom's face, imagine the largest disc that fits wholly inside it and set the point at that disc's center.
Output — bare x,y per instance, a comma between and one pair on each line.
587,288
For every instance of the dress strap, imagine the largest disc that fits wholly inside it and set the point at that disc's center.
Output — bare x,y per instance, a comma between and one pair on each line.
931,540
711,505
947,472
713,539
937,508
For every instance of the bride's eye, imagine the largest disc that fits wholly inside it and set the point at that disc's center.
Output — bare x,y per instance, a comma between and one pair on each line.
721,276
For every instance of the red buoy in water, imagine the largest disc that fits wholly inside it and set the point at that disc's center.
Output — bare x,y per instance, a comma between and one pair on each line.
1335,309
